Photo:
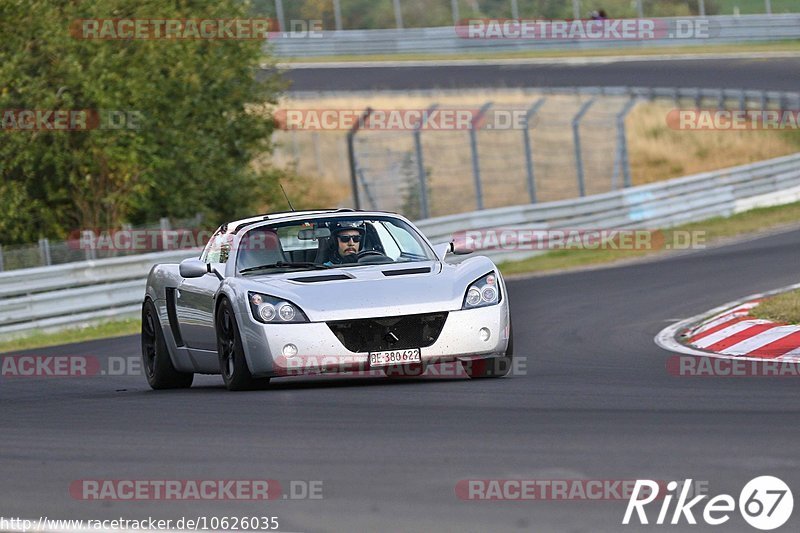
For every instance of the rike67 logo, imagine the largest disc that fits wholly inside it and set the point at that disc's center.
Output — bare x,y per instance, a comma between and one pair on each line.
765,503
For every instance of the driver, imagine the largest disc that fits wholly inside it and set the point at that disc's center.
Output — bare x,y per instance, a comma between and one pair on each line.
347,238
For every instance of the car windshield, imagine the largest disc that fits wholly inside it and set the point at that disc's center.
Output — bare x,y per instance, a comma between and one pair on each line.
315,243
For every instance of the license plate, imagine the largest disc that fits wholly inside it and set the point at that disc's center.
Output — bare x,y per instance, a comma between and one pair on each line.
395,357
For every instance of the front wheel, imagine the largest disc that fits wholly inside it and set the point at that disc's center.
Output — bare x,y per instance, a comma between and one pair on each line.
495,367
232,363
158,368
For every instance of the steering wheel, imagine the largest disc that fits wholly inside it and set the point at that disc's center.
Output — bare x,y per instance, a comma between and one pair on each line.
372,256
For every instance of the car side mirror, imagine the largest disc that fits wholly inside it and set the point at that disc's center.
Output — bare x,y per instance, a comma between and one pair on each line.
459,247
441,250
455,248
193,268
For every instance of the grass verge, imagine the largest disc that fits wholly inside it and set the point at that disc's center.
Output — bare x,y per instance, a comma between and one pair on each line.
776,46
707,231
106,330
783,307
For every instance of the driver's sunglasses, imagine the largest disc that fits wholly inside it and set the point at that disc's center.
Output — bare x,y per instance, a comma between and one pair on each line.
348,238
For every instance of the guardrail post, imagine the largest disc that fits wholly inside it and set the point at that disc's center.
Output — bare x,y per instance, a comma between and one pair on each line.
621,158
279,15
576,9
768,6
701,8
44,252
721,100
476,165
526,139
1,258
454,8
398,15
763,100
421,174
351,153
514,9
742,101
639,9
577,140
337,14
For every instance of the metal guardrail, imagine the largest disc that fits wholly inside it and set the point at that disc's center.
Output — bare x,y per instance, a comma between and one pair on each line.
724,29
49,298
658,205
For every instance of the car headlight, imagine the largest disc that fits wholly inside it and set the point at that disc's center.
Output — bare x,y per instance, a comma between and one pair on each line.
482,292
272,310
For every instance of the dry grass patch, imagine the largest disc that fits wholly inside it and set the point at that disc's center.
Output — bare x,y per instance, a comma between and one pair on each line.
388,162
783,307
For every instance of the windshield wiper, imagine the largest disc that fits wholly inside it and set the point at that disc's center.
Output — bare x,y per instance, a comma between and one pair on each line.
285,264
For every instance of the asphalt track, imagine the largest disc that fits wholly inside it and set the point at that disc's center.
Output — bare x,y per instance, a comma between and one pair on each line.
766,74
594,403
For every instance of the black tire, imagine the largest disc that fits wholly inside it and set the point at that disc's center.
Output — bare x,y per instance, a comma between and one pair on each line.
232,363
495,367
156,362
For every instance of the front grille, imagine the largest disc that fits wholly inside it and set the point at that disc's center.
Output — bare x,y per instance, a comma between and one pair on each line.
389,333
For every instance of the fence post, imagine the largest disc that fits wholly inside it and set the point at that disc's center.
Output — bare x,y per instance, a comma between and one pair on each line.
351,153
44,252
476,165
337,14
421,174
317,152
526,139
701,8
279,14
768,6
454,8
577,140
639,9
514,9
1,258
576,9
366,189
89,243
398,15
621,158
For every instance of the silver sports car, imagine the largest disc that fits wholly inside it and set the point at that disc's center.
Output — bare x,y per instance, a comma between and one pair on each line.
322,291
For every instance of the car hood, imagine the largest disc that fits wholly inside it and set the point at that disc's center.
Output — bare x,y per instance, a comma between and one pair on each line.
375,290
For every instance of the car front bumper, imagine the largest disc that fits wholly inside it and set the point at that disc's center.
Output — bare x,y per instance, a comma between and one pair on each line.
319,350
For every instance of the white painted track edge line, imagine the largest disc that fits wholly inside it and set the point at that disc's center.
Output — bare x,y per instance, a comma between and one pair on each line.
667,337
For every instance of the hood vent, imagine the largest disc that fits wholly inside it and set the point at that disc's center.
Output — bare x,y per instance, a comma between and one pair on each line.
404,271
317,279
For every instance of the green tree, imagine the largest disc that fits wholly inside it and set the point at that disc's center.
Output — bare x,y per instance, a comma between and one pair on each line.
191,149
